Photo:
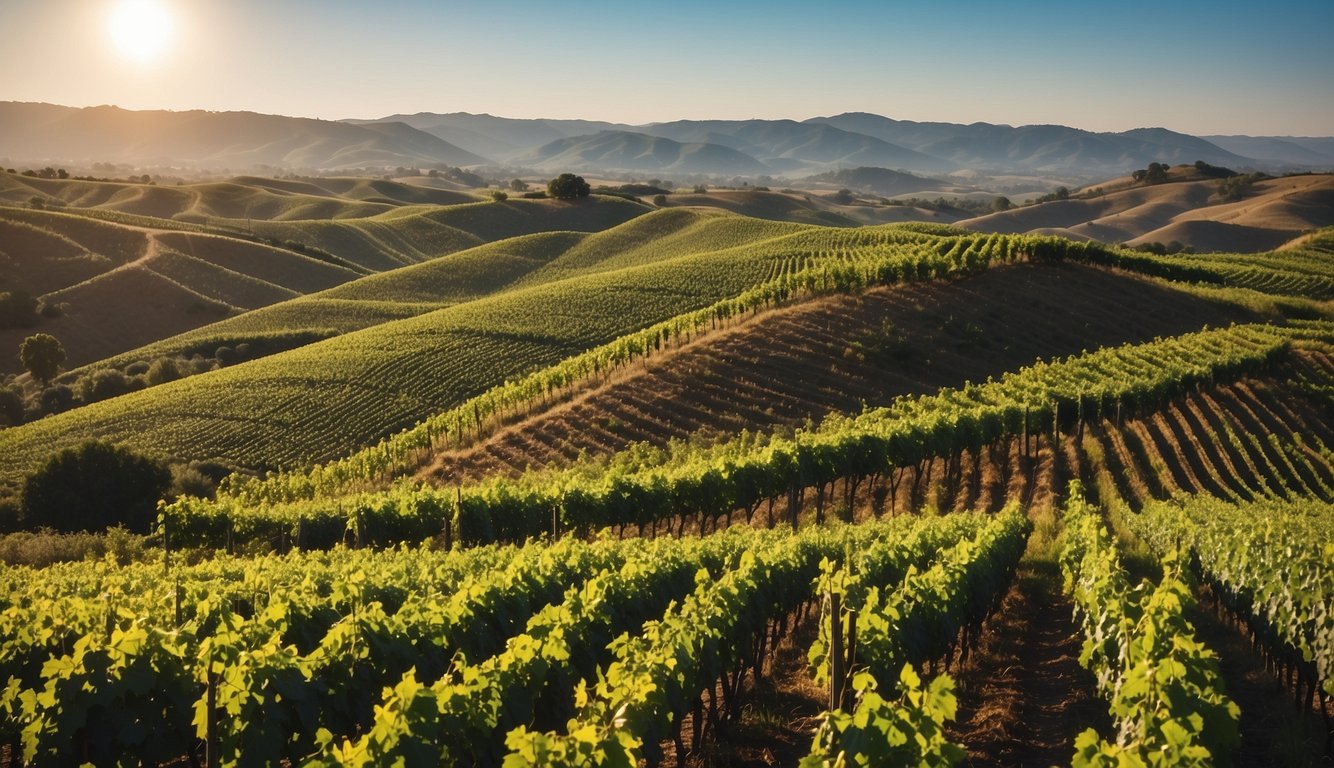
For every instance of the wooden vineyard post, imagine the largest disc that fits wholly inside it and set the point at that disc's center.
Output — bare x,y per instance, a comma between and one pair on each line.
792,504
836,670
1025,432
211,724
166,543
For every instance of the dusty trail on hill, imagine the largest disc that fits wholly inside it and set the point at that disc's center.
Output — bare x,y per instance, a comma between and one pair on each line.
1023,697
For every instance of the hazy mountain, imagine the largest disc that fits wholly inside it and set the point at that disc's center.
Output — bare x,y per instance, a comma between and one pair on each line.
1296,150
880,181
629,151
497,136
41,132
789,143
48,133
1039,147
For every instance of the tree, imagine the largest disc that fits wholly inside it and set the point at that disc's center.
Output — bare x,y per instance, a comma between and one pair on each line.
499,196
42,355
567,186
94,486
660,200
518,185
1001,203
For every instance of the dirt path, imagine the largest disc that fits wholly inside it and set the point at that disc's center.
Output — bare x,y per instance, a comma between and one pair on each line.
1023,697
1274,732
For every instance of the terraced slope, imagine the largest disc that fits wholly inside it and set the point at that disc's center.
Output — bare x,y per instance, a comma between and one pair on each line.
838,353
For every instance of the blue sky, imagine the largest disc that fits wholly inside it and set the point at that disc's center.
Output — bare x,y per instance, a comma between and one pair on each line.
1218,67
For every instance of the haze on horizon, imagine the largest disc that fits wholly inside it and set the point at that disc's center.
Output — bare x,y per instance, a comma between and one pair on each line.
1195,67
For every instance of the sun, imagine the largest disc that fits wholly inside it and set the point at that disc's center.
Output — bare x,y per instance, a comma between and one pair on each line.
141,30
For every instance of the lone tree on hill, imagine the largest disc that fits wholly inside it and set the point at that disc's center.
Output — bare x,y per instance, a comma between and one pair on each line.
94,486
42,355
567,186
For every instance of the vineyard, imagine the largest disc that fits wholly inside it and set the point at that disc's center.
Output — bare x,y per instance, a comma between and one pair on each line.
706,490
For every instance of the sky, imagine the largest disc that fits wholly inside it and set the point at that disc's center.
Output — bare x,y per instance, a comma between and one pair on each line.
1199,67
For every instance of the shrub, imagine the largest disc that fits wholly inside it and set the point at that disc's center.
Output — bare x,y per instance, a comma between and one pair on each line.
94,486
102,385
162,370
11,406
56,399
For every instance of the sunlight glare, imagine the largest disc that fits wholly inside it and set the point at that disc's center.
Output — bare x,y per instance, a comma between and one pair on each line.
141,30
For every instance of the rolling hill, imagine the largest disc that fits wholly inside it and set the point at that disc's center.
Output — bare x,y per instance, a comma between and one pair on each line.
387,376
240,140
1272,213
131,280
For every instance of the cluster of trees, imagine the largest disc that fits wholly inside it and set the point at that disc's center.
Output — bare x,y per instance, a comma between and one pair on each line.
47,173
1156,173
1237,186
1060,193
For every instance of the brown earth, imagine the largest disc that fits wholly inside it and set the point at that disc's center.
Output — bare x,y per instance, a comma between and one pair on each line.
1272,213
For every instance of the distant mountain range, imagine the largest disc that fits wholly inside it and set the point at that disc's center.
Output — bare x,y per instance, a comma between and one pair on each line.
238,140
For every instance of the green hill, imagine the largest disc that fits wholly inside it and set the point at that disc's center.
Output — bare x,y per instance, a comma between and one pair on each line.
329,398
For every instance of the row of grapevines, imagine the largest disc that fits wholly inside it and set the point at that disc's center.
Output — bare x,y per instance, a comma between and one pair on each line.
1269,562
1162,685
709,643
283,669
888,630
529,683
739,474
